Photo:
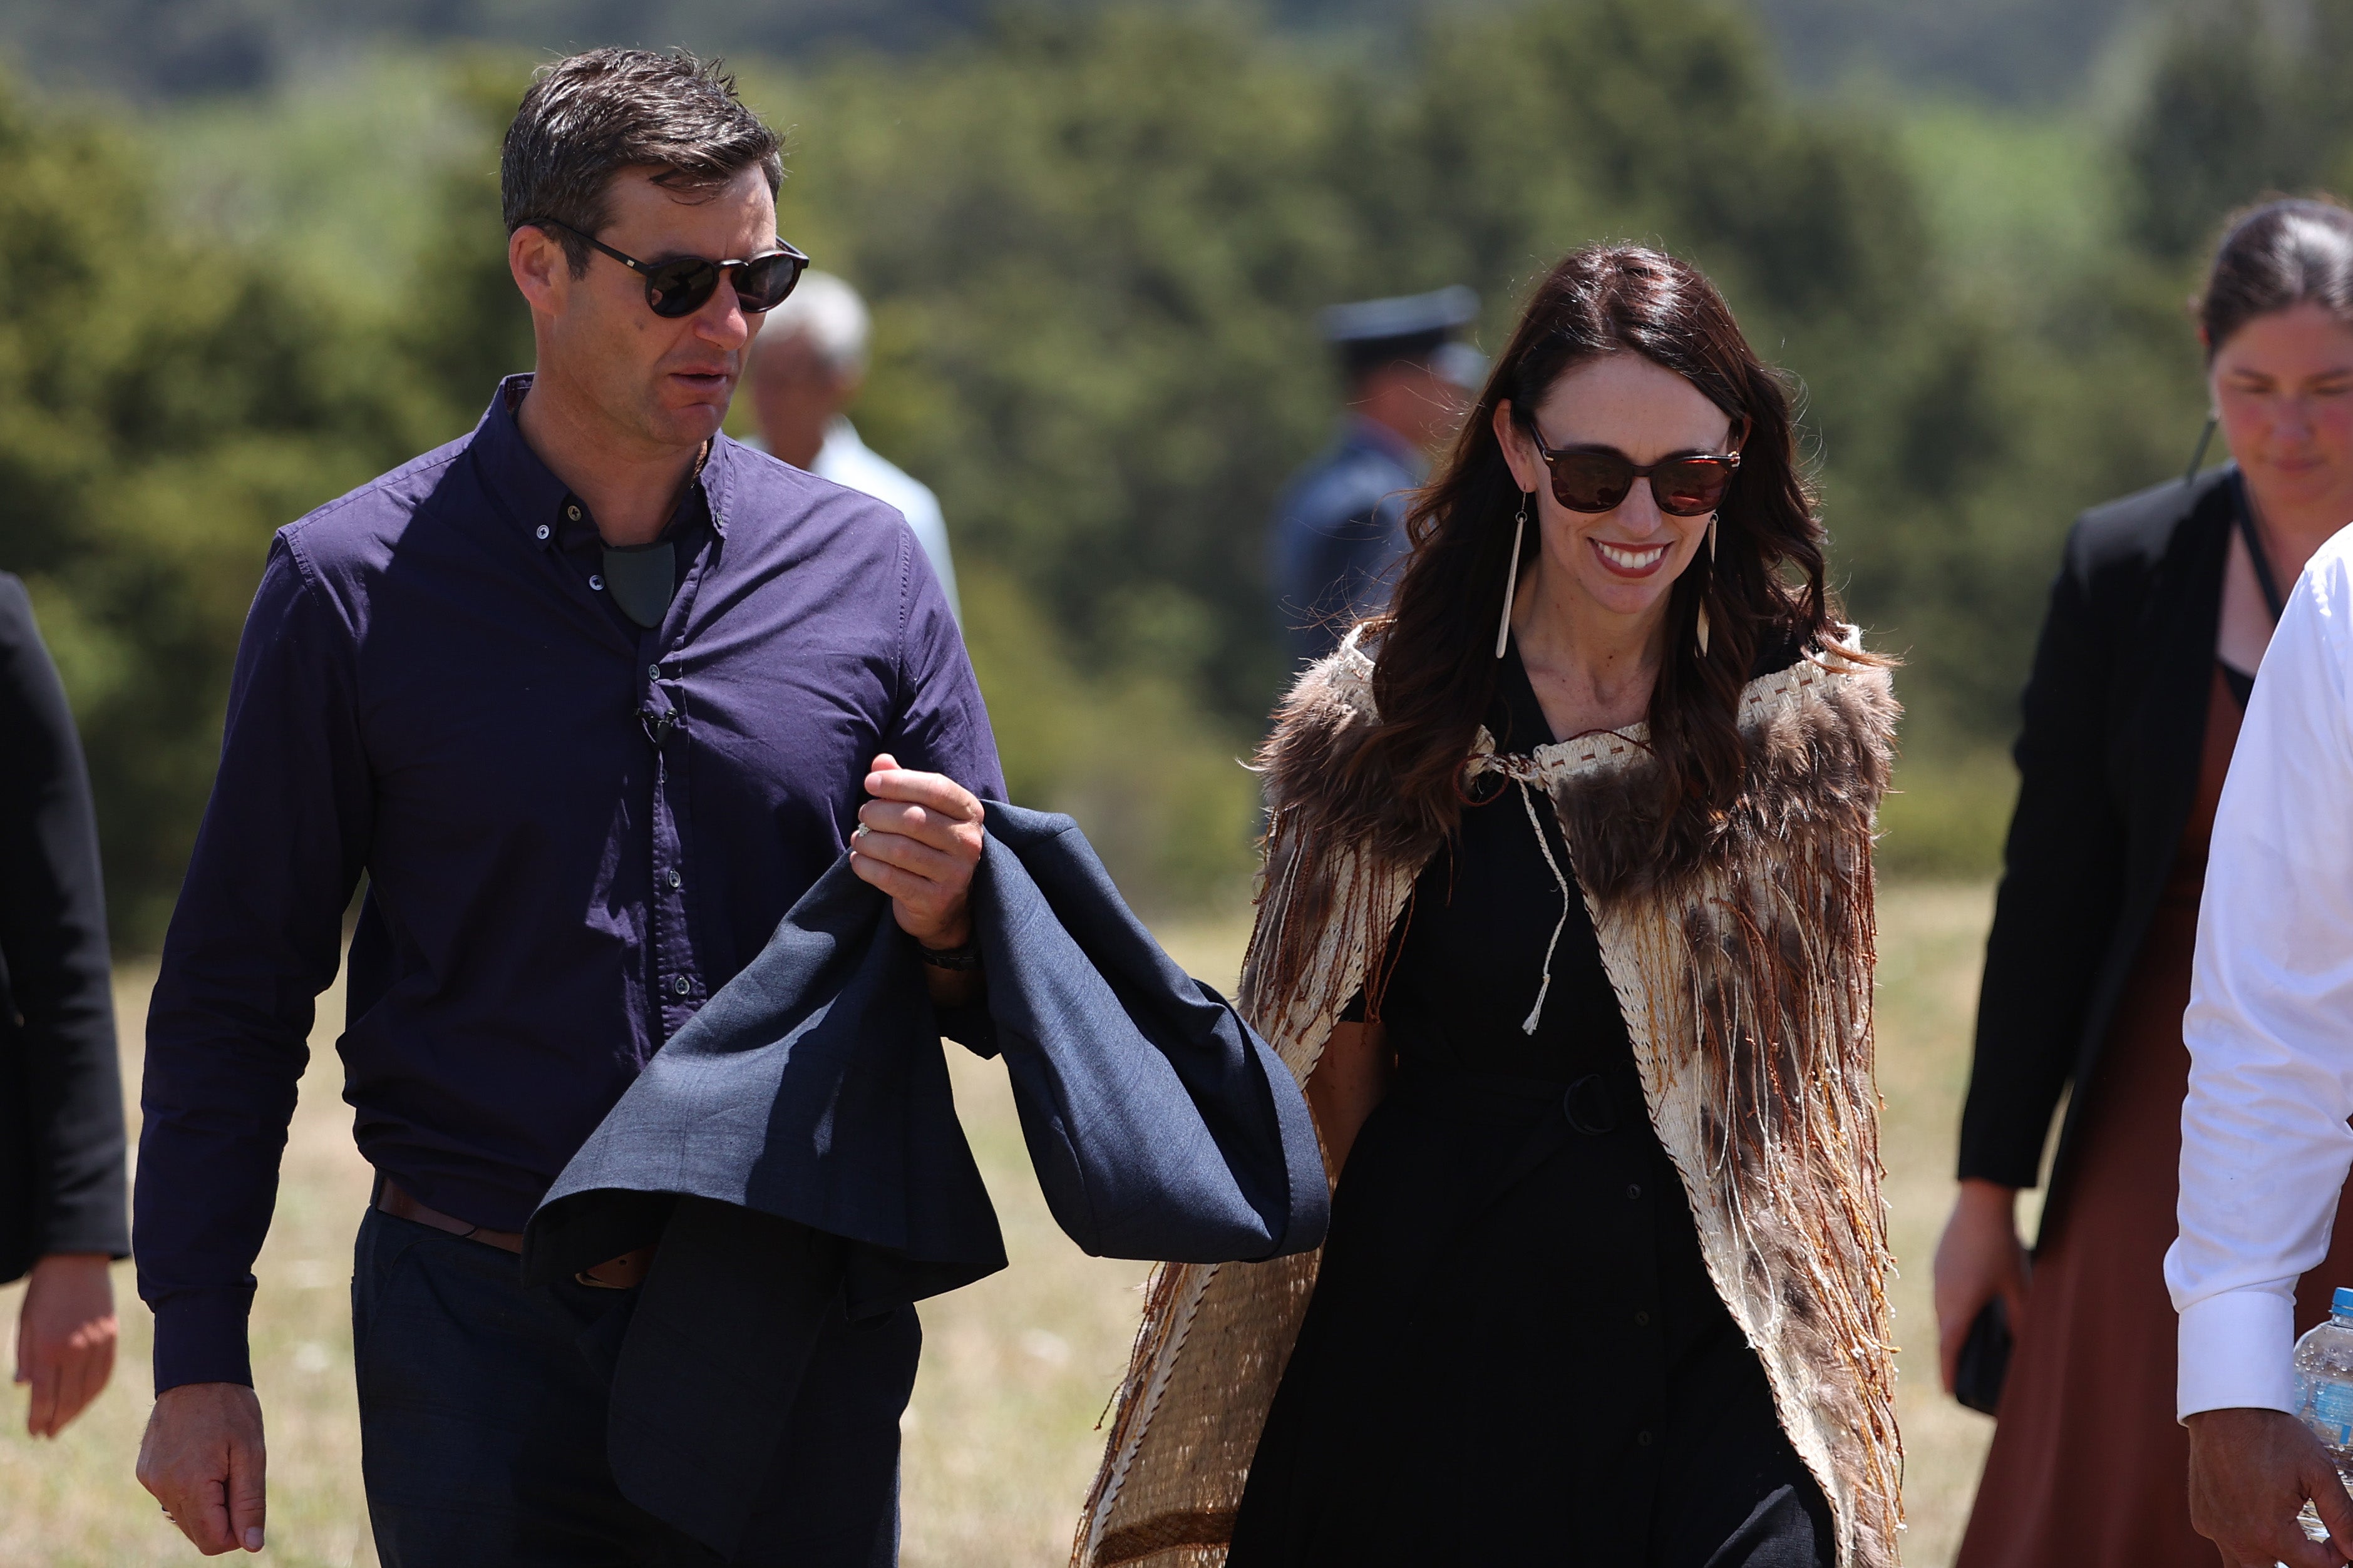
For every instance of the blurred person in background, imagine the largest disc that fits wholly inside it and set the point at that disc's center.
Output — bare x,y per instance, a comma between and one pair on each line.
808,362
1339,527
589,698
2159,618
1569,926
62,1216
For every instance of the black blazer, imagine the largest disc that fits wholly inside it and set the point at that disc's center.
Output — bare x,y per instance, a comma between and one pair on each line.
2107,761
61,1178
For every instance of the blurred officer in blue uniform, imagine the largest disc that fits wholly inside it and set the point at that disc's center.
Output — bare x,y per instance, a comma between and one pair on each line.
1339,529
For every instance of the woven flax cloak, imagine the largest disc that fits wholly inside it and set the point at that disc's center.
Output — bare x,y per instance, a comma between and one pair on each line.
1743,962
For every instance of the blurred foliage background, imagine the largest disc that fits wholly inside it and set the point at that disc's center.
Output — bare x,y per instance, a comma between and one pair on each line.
250,255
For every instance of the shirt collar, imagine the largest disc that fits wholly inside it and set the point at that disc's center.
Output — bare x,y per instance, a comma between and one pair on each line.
535,500
525,488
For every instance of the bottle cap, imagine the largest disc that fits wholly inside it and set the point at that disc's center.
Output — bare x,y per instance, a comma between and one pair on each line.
2342,1301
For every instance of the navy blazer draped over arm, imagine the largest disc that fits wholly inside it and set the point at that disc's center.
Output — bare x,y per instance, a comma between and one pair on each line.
811,1095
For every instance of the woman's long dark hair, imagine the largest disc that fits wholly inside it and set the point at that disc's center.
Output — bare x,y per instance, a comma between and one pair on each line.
1436,674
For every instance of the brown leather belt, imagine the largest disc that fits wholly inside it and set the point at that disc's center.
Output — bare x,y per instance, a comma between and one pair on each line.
612,1274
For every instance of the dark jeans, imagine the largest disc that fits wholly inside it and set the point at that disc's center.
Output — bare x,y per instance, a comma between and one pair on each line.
482,1417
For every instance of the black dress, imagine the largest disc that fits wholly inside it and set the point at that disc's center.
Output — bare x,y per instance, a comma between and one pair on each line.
1514,1353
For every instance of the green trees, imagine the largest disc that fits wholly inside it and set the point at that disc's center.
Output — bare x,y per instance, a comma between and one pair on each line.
1095,239
1097,242
164,404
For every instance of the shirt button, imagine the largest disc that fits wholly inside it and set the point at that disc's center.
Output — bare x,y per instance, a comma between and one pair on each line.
653,672
1633,1192
573,512
674,878
1643,1438
597,583
681,985
542,531
1642,1320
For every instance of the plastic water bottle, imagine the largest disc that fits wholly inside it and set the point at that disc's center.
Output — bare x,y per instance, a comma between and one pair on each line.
2324,1393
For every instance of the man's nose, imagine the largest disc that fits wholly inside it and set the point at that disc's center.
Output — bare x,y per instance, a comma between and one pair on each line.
722,321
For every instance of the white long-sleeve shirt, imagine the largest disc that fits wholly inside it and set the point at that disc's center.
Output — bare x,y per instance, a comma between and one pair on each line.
2264,1144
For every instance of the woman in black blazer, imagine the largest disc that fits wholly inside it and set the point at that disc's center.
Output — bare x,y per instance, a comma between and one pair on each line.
61,1178
2157,620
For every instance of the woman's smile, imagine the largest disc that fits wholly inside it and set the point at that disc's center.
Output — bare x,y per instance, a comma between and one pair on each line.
1630,560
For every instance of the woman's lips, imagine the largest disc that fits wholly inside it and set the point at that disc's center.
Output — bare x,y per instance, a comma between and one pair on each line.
1630,560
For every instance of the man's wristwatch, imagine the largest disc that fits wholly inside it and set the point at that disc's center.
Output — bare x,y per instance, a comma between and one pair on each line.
964,959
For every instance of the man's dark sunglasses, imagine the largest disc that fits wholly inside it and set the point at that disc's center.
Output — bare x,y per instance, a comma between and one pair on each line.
1597,478
681,287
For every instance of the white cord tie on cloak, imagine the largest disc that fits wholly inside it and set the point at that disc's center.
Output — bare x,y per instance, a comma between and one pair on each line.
1529,799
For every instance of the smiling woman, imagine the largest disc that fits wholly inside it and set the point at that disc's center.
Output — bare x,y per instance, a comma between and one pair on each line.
1571,936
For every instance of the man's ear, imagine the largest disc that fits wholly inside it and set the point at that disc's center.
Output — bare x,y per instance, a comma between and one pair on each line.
540,268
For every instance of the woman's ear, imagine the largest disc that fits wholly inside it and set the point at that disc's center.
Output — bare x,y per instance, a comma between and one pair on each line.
1514,441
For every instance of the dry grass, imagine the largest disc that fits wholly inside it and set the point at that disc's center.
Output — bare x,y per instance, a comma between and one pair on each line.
1000,1437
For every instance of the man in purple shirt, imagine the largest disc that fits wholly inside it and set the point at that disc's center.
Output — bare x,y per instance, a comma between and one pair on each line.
588,697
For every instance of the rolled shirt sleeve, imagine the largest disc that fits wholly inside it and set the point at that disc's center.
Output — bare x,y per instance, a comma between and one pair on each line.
2264,1142
256,938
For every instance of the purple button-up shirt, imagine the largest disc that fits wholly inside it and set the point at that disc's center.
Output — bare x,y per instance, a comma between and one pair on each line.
573,831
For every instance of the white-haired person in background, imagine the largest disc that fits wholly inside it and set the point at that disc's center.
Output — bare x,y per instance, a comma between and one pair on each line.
807,364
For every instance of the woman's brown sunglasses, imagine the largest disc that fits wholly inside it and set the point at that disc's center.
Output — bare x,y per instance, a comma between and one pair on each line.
1598,478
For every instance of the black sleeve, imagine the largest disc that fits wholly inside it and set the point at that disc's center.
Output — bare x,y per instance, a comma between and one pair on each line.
2062,885
53,949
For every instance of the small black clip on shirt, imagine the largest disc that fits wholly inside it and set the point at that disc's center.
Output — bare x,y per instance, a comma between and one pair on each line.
659,723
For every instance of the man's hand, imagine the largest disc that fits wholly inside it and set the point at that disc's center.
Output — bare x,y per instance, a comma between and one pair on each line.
1979,1257
918,840
65,1338
2249,1472
203,1459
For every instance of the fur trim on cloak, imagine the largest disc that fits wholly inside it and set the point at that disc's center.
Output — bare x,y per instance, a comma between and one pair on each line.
1743,963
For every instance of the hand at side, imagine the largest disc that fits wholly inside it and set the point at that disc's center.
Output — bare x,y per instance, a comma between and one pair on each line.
65,1338
2249,1472
204,1459
1979,1257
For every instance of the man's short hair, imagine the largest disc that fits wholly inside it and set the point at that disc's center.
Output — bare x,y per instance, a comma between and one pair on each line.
830,314
592,116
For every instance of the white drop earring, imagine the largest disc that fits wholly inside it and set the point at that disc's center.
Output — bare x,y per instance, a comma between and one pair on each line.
1702,598
1512,576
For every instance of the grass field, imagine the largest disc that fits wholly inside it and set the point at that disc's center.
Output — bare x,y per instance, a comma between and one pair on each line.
1001,1435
